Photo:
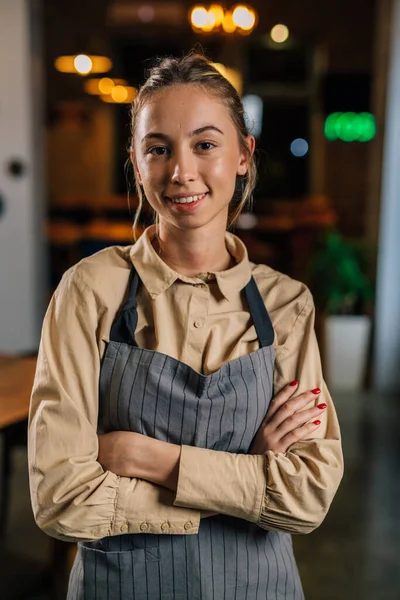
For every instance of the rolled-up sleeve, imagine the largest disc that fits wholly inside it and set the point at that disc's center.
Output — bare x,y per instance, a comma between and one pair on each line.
289,491
73,498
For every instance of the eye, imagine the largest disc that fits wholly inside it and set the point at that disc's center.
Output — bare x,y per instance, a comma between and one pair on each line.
158,150
205,146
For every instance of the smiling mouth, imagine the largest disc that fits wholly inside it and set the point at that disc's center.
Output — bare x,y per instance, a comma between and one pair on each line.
187,199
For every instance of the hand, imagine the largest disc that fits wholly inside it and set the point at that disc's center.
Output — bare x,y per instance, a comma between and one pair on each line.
130,454
285,422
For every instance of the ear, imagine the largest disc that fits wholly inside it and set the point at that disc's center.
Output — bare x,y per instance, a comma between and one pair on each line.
135,167
244,157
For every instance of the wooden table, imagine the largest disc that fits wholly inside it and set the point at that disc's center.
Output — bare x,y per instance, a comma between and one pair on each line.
16,380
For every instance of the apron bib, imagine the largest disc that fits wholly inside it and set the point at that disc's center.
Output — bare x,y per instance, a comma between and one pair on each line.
157,395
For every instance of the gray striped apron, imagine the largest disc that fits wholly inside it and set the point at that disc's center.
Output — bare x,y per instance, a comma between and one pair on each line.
154,394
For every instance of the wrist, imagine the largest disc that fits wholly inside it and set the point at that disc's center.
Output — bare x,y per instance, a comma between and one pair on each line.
157,461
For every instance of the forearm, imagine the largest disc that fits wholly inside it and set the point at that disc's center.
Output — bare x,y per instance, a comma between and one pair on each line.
257,488
130,454
288,492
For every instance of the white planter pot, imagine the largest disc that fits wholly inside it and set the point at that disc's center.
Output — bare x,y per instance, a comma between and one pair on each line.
346,350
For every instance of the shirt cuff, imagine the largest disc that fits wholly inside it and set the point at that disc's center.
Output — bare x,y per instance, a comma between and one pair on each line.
143,507
300,489
231,484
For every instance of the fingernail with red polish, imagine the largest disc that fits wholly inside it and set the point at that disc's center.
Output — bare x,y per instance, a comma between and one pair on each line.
295,382
316,391
317,422
321,406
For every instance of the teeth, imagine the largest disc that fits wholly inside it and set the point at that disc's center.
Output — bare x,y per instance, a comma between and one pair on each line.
187,199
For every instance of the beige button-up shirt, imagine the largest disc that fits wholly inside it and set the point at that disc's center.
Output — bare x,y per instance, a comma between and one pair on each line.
204,322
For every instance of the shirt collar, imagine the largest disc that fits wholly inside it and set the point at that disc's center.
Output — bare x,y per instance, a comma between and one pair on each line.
157,276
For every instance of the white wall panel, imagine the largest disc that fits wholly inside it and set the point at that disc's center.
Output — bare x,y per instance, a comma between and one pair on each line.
387,336
21,219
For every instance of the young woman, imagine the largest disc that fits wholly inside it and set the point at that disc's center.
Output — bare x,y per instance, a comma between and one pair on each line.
180,428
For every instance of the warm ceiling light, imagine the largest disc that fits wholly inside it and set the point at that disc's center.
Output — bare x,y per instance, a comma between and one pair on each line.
106,85
65,64
120,94
101,64
96,86
83,64
218,13
243,17
209,26
228,24
279,34
91,86
199,17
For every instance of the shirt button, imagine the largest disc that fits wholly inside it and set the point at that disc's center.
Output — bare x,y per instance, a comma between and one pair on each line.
188,525
164,527
144,527
124,527
198,323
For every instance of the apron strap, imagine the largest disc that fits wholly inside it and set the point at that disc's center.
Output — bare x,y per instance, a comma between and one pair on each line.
124,326
259,313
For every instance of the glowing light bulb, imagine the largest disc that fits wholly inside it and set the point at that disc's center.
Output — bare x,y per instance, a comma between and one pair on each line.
243,18
218,12
83,64
106,85
279,34
227,24
119,93
209,26
199,17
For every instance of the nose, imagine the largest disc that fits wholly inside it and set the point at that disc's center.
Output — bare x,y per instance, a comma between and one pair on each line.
184,167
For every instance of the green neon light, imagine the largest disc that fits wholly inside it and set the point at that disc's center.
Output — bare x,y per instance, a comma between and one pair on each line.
350,127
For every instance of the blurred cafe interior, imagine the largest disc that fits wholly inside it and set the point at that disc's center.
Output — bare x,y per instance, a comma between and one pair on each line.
320,83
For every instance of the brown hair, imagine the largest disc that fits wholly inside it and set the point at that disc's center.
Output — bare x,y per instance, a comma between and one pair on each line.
195,68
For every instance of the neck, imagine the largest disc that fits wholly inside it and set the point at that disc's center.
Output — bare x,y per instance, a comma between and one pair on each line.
192,252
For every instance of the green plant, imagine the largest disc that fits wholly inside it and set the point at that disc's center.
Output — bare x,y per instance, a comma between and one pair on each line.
337,275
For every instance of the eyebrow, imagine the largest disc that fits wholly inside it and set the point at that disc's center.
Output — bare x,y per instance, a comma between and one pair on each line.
164,137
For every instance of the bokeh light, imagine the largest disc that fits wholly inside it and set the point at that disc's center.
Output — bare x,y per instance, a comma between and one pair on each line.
218,13
119,93
228,24
279,34
199,17
83,64
243,17
350,127
299,147
106,85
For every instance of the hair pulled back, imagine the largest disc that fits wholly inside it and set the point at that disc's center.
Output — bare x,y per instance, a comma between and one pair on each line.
194,68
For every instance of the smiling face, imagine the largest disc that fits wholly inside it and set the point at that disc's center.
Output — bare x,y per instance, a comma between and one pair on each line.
186,145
